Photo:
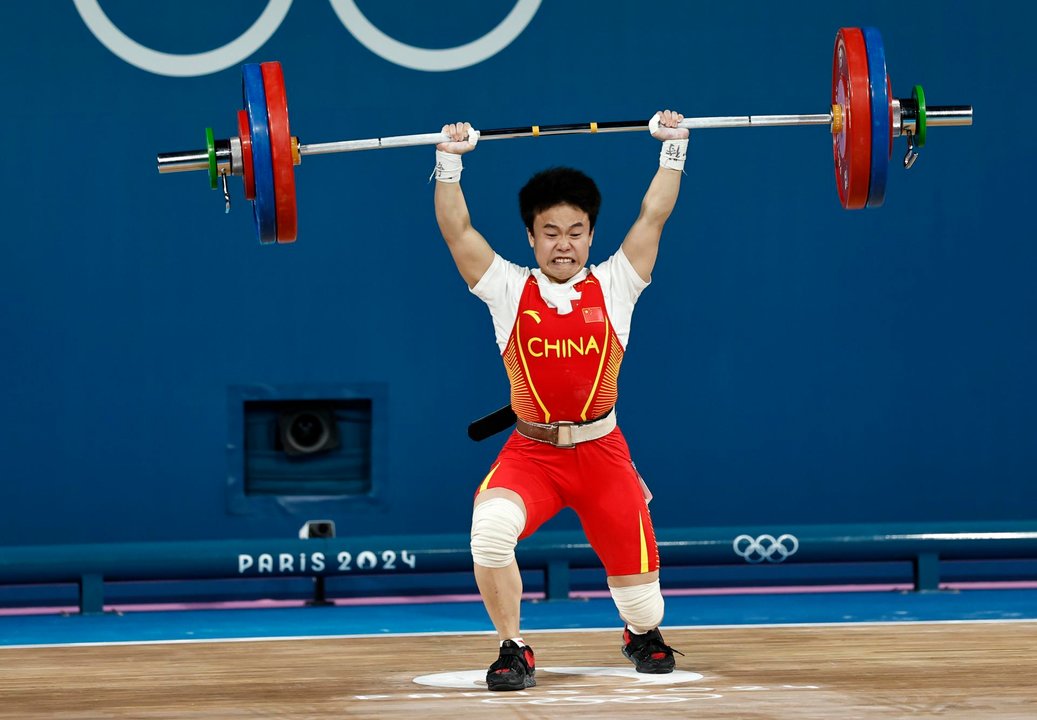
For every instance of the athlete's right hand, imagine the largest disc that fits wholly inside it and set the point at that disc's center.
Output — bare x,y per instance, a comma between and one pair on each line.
462,138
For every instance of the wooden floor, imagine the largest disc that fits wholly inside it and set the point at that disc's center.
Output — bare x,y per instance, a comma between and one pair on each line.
946,670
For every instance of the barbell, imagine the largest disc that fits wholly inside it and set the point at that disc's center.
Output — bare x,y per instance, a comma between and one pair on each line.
864,118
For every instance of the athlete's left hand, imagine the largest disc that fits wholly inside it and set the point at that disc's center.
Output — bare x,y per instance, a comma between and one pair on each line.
668,130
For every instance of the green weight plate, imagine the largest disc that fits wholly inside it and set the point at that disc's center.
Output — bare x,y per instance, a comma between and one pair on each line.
919,96
210,146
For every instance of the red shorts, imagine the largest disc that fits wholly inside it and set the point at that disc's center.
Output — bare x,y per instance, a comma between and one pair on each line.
597,479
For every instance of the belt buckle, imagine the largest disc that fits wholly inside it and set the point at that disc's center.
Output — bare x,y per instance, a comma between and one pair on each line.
564,434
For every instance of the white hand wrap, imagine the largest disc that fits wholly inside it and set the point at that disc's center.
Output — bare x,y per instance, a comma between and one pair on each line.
640,606
448,167
496,525
673,154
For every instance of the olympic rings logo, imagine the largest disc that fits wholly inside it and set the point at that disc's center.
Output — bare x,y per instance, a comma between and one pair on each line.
388,48
765,547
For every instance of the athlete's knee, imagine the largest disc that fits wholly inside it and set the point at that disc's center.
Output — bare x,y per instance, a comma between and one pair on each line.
496,526
640,606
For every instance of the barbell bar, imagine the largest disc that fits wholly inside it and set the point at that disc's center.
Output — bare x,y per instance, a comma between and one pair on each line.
864,118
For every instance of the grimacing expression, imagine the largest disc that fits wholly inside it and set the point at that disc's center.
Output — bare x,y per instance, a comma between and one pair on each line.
561,241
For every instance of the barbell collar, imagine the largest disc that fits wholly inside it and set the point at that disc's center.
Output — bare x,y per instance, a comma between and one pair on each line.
236,159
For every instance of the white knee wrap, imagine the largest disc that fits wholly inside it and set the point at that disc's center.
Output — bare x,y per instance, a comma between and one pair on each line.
496,525
640,606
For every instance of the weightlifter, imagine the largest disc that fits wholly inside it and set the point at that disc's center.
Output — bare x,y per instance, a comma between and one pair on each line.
562,329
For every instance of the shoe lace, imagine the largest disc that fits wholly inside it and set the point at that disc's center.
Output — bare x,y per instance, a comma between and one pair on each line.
508,661
654,645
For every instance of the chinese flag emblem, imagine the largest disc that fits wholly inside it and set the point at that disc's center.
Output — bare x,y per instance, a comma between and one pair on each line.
593,315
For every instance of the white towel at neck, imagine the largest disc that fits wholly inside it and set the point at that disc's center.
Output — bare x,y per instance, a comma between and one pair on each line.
559,295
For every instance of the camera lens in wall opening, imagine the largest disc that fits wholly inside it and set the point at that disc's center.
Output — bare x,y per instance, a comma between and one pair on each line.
308,431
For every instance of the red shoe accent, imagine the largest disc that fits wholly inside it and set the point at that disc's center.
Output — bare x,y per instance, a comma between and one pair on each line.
528,654
658,656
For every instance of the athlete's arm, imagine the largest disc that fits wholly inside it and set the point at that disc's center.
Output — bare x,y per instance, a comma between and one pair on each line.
641,245
471,253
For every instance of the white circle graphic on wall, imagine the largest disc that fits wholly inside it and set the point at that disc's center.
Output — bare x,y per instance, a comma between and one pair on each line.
225,56
440,60
172,64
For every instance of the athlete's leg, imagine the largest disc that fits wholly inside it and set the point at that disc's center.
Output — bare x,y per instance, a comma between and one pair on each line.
496,527
514,499
613,508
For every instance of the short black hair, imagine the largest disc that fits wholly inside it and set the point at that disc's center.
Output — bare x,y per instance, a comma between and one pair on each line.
558,186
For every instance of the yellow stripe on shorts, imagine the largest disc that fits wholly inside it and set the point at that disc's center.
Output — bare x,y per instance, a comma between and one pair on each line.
486,481
644,545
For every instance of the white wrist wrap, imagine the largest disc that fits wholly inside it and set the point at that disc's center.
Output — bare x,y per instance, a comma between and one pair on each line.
448,167
673,154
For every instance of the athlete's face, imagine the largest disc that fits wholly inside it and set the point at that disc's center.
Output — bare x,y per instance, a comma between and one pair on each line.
561,241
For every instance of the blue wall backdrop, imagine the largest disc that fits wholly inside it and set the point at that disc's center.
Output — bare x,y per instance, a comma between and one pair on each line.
792,362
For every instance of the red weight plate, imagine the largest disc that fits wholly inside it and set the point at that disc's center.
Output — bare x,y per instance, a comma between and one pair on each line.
248,179
281,149
850,90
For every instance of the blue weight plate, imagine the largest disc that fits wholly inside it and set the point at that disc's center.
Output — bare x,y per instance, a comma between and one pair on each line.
264,207
880,116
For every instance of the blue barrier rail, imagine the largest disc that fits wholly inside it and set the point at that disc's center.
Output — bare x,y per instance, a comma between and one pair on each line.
91,565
